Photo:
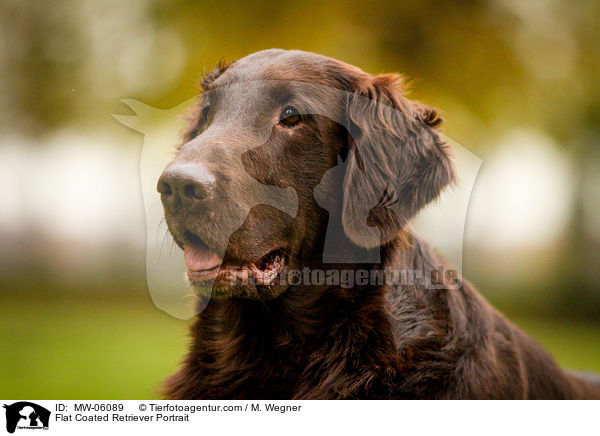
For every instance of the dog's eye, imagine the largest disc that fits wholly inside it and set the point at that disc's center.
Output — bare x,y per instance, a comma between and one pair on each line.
290,116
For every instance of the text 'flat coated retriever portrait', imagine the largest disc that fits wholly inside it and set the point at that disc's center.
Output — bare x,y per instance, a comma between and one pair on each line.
291,195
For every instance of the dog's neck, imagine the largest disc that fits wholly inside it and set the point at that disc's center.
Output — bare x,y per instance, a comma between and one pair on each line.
242,342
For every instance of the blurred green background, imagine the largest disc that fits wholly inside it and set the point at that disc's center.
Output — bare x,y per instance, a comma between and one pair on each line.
517,82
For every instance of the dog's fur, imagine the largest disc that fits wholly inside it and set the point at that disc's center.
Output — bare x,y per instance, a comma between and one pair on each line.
311,342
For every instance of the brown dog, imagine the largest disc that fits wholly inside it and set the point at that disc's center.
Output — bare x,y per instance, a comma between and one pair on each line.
363,160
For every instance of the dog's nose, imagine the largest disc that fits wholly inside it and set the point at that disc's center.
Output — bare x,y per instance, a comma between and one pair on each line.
188,183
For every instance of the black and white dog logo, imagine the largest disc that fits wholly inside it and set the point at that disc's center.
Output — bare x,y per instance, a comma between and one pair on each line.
26,415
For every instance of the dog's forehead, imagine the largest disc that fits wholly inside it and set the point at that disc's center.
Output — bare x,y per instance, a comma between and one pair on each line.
280,65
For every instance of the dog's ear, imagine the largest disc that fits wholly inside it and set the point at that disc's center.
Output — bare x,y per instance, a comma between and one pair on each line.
397,161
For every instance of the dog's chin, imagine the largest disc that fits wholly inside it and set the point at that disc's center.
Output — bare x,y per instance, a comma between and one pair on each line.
260,279
246,291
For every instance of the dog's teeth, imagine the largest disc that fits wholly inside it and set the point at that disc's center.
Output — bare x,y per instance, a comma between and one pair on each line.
267,274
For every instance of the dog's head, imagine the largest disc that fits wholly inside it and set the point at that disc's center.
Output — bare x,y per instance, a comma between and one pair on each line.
276,122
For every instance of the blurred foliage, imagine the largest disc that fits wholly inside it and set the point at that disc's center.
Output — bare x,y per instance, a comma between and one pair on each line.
500,62
491,65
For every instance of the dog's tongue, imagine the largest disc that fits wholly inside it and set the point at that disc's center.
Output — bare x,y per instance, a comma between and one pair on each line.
199,257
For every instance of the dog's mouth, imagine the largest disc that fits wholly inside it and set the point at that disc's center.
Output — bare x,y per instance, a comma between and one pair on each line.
206,265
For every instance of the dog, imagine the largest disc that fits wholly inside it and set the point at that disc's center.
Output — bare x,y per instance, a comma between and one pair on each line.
362,159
